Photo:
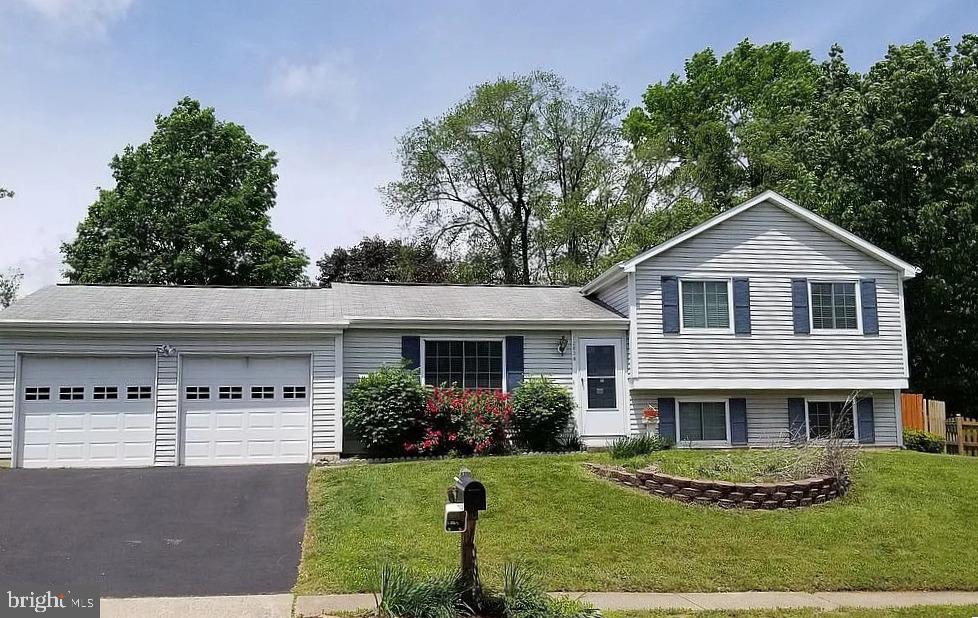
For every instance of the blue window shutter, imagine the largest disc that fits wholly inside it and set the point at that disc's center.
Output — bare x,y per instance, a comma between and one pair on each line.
738,421
667,418
799,306
871,320
864,416
796,419
741,298
670,304
411,351
514,362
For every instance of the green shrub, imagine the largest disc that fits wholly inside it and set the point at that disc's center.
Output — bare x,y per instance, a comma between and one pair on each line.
524,597
404,594
385,410
464,422
541,414
923,441
635,446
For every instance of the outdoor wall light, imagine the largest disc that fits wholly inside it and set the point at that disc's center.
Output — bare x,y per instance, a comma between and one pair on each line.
562,344
166,350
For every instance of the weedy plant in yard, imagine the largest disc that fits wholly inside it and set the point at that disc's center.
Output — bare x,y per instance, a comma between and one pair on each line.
627,447
406,594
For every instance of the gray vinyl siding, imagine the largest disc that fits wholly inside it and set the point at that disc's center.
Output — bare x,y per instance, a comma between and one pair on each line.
770,247
767,411
167,398
320,348
8,371
616,296
367,350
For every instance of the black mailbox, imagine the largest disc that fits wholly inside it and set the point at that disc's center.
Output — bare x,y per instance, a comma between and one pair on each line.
469,492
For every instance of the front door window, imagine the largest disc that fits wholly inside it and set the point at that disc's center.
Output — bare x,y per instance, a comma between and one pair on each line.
602,391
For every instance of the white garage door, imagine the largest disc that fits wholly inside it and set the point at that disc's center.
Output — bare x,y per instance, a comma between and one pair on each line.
87,411
245,410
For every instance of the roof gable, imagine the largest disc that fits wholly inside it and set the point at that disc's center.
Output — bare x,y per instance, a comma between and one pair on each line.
617,271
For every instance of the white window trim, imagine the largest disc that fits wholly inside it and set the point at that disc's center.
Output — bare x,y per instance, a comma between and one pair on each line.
836,331
703,443
855,417
501,340
730,307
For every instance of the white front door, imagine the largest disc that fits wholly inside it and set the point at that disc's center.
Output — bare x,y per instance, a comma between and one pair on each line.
87,411
601,370
245,409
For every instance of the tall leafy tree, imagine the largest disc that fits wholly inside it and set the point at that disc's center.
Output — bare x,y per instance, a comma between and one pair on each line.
9,282
892,156
725,127
377,259
190,206
9,286
528,174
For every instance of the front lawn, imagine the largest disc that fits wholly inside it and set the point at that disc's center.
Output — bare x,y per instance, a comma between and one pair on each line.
906,525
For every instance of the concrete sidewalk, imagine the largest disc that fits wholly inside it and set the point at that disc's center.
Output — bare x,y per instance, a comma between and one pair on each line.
315,606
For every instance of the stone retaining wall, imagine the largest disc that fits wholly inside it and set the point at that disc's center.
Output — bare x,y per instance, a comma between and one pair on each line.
783,495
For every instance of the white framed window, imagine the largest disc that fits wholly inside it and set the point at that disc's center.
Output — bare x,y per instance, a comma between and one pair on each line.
139,392
834,306
105,392
71,393
294,392
703,421
467,363
826,418
37,393
705,305
262,392
230,392
193,393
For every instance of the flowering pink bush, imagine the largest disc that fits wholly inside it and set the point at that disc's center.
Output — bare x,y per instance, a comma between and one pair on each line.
464,422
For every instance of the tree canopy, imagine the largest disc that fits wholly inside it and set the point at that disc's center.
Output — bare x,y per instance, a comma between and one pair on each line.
377,259
530,175
190,206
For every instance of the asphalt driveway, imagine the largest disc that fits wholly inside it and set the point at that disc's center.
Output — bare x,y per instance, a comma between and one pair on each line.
154,531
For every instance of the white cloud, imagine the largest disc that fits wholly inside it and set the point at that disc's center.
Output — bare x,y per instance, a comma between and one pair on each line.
94,15
330,80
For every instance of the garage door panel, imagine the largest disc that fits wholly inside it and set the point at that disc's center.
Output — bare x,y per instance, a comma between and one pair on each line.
87,432
246,430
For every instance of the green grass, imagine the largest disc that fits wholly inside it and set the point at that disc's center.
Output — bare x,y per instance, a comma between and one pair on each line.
962,611
908,524
727,465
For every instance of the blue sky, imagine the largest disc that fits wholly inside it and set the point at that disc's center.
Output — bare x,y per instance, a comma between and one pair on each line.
330,85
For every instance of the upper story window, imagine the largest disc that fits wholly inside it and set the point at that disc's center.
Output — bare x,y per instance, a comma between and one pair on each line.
834,306
705,304
467,364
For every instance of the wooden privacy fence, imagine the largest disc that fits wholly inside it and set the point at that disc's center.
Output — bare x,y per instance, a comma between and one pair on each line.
924,414
962,436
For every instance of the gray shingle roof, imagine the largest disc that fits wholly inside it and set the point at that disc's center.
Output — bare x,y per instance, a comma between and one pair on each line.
343,303
462,302
167,305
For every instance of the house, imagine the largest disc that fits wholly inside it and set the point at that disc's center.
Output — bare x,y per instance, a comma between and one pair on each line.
752,328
